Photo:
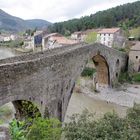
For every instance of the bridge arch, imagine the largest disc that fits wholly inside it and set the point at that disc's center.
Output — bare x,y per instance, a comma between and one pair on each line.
17,102
47,78
102,68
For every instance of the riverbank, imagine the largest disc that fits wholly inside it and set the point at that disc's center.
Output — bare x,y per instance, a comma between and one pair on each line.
126,96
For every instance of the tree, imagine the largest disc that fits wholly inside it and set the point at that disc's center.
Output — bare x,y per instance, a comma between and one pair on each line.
91,37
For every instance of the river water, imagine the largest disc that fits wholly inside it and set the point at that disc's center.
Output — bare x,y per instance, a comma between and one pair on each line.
6,52
79,101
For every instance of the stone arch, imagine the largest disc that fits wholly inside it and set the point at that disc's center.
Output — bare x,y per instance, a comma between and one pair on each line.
25,108
16,103
102,68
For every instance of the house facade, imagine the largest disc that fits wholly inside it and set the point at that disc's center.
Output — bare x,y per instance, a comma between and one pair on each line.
134,58
111,37
56,40
78,36
81,35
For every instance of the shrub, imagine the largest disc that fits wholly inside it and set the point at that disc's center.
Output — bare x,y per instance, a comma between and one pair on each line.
136,77
17,131
45,129
110,127
88,72
35,129
125,77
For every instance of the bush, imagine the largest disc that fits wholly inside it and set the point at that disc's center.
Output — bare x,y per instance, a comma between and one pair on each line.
35,129
17,130
110,127
124,77
88,72
136,77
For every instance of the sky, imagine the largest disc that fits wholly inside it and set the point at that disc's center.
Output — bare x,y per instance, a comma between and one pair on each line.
57,10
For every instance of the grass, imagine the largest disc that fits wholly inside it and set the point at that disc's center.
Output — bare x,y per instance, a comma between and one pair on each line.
136,77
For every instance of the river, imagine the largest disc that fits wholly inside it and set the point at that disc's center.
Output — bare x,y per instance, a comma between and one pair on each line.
79,101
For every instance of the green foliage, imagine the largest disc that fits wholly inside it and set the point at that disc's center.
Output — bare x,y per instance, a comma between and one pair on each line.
118,16
110,127
88,72
125,77
12,43
17,131
136,77
122,49
135,32
29,109
45,129
79,127
35,129
91,37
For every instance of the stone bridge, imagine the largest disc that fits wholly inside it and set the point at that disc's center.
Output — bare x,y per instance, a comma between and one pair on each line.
48,78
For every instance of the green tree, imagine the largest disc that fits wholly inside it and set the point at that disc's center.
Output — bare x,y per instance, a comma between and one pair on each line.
91,37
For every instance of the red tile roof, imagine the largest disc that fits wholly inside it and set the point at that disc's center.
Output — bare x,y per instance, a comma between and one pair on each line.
63,40
108,30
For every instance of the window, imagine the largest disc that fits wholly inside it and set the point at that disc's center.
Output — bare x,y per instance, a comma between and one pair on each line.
117,62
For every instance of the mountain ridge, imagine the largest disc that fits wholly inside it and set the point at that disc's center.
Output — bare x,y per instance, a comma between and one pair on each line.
11,23
125,16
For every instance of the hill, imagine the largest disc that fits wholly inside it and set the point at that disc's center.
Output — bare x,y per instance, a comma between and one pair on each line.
39,23
125,16
14,24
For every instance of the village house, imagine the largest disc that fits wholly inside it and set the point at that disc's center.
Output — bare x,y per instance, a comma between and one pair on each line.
134,58
37,38
28,43
80,36
6,37
56,40
111,37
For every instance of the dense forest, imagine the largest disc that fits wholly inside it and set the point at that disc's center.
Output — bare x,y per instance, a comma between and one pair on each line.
125,16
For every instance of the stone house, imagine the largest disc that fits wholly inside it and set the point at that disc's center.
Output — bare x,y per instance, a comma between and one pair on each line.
134,58
6,38
55,40
37,38
111,37
78,36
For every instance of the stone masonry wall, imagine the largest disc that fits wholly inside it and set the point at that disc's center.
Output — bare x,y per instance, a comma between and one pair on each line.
47,79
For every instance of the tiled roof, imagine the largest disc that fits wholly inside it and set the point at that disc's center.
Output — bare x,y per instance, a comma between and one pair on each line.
108,30
63,40
52,34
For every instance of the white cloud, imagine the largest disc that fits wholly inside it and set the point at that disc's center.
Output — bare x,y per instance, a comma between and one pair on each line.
56,10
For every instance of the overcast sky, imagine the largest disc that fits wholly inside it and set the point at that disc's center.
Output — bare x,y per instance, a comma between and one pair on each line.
56,10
